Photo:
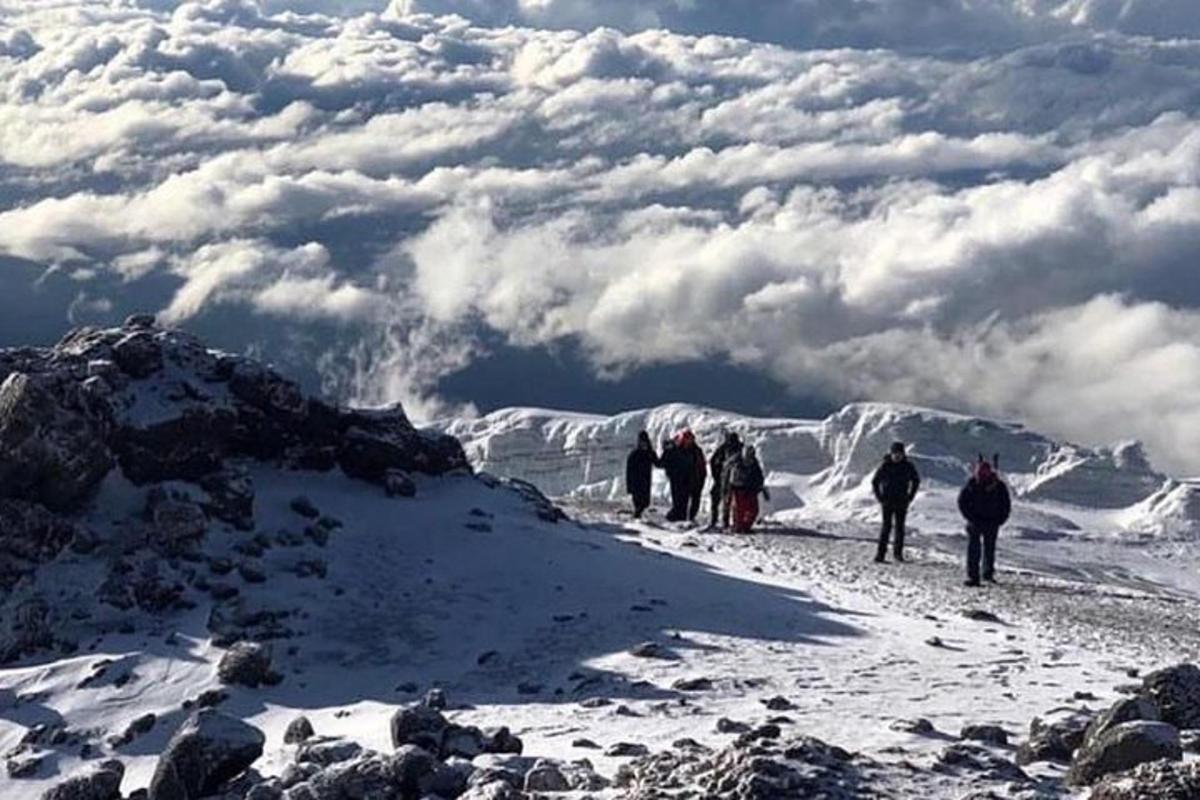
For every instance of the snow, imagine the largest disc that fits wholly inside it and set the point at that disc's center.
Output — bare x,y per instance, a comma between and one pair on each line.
464,588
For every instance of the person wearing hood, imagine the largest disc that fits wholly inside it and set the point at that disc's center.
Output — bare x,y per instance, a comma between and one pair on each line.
744,481
639,473
895,485
985,505
729,449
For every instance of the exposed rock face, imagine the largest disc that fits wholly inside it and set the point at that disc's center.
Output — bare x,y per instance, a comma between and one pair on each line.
53,446
1124,747
100,783
1127,709
1175,691
298,730
208,751
29,535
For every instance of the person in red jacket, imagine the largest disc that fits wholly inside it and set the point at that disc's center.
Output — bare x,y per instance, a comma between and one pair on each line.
744,483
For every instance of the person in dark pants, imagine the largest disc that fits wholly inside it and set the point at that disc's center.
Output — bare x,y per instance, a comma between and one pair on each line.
675,462
895,485
639,473
697,473
731,447
985,504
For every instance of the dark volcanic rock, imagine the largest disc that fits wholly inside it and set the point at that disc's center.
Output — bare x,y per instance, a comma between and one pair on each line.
1055,738
246,664
1159,780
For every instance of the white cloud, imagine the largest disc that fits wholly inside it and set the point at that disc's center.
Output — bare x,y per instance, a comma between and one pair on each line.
843,218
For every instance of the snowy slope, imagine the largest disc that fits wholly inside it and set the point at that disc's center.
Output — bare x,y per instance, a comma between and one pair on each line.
820,469
375,569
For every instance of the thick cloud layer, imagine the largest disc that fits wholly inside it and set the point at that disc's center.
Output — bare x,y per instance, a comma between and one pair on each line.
998,212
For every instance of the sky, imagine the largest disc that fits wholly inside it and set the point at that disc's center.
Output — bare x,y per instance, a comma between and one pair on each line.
774,206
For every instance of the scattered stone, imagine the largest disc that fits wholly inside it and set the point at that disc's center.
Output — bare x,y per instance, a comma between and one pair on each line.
398,484
978,761
529,688
327,752
585,744
596,702
251,573
693,685
23,765
1123,747
779,703
979,615
140,726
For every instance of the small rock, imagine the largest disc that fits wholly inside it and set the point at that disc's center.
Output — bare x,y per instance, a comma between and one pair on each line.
304,507
585,744
917,727
693,684
246,664
546,777
1123,747
725,725
102,782
627,750
779,704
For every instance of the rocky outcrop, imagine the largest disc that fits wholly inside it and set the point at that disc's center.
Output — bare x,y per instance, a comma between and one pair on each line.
210,750
246,664
1055,736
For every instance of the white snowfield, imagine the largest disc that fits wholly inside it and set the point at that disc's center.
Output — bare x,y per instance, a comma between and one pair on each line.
521,621
819,470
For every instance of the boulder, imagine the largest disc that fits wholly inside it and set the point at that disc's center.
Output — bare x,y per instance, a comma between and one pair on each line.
27,625
102,782
1176,693
420,726
1158,780
30,535
209,750
326,752
1123,747
230,497
1127,709
246,664
53,447
298,730
502,741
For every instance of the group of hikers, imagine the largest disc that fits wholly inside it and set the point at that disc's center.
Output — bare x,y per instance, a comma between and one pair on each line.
738,480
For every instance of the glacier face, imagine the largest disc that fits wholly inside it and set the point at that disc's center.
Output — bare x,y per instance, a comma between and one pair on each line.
825,465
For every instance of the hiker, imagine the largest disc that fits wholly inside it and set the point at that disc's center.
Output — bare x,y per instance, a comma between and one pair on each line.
675,463
985,504
639,468
895,485
744,482
729,449
697,472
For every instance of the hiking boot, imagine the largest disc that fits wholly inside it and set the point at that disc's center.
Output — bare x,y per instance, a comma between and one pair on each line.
899,558
880,560
971,582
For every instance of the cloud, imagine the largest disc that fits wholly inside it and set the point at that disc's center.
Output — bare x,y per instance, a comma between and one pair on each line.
988,205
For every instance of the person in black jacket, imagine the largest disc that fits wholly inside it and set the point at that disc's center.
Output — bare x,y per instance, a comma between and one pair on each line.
676,464
985,504
731,447
697,474
895,485
639,473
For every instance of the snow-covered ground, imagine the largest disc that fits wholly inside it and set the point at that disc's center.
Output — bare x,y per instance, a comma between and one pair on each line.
532,624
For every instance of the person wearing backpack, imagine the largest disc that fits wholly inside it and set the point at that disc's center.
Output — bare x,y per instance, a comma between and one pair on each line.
676,464
895,486
639,473
729,449
985,505
745,482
